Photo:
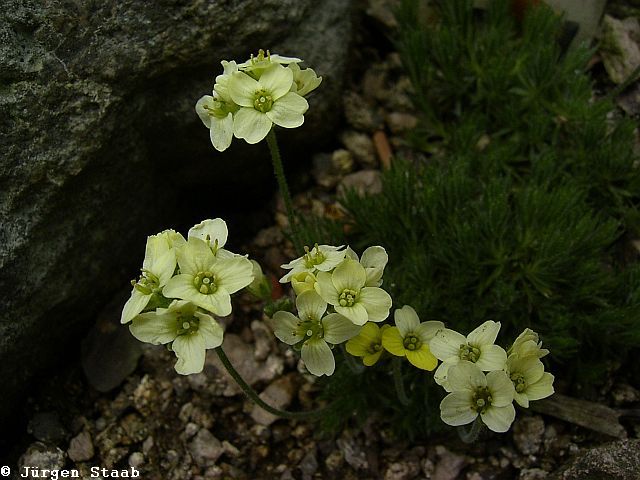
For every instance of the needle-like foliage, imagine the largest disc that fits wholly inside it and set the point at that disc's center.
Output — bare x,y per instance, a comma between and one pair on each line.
523,208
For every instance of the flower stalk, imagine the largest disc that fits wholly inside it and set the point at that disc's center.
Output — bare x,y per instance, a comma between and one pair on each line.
253,395
399,382
272,142
470,435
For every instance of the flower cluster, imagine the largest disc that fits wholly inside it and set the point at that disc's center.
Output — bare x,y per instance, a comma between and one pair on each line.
333,281
184,283
250,97
518,375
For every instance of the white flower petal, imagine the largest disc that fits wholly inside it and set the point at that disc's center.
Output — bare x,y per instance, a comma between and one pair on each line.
288,112
221,132
233,273
521,399
374,257
492,357
180,286
455,409
485,334
465,376
338,329
530,367
164,267
251,125
326,289
350,253
210,330
442,373
211,230
195,256
349,275
310,305
286,327
202,112
427,330
406,320
332,257
446,344
242,89
218,303
318,357
277,81
136,304
501,388
156,247
357,314
274,57
154,328
499,419
377,302
543,388
190,350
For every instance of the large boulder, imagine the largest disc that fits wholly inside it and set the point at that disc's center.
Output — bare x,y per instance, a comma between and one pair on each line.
101,146
616,460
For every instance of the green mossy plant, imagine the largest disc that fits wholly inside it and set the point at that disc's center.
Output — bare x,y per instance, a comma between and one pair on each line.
521,211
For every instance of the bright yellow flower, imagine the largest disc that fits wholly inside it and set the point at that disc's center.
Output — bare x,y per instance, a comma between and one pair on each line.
411,338
368,343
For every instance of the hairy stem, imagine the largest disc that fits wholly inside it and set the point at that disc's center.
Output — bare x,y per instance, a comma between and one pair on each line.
284,188
252,394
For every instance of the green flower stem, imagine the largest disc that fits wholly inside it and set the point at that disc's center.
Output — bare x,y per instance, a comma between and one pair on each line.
398,381
284,188
470,435
251,393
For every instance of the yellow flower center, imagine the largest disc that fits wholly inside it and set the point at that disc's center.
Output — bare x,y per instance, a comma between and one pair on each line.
218,108
481,399
374,348
313,257
519,382
469,353
205,282
348,298
148,283
310,329
412,342
262,101
187,325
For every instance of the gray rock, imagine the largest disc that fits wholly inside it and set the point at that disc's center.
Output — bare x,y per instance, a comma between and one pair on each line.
528,433
46,427
101,146
42,456
352,451
364,182
264,340
449,464
620,49
308,465
402,470
241,355
109,352
532,474
205,449
361,146
616,460
136,459
81,447
279,395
